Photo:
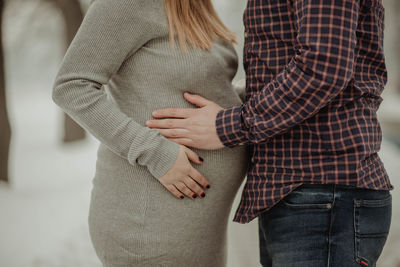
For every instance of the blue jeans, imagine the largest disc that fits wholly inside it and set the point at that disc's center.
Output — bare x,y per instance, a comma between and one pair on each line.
326,225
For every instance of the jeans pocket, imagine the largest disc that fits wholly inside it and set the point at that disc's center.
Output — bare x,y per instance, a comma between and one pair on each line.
308,200
371,227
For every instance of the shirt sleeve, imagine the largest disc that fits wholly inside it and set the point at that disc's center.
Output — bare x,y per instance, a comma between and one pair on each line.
110,33
321,68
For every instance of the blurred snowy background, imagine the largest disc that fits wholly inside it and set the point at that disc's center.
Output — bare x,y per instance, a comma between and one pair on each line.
44,207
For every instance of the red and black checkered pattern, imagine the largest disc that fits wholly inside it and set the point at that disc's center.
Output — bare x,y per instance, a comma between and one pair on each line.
315,71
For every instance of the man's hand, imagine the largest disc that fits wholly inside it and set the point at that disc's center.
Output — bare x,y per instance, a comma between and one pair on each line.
190,127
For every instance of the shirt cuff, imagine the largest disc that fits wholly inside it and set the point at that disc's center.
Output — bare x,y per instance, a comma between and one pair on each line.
229,127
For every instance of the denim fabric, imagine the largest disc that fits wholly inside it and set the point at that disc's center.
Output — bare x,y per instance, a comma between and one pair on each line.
326,225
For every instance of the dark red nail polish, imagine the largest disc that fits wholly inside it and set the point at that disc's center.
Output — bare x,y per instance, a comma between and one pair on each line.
194,196
203,194
208,186
201,159
182,197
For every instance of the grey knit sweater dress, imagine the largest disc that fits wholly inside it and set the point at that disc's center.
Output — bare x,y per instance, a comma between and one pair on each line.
119,68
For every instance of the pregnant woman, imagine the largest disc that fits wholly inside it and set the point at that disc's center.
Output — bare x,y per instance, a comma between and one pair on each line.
150,202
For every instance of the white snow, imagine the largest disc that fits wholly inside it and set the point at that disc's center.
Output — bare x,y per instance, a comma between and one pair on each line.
44,211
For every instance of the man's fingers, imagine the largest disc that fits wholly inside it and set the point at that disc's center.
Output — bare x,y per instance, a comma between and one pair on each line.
166,124
182,113
199,178
175,191
196,100
174,133
185,190
192,156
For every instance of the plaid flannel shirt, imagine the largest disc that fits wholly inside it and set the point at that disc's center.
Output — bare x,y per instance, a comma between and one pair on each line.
315,72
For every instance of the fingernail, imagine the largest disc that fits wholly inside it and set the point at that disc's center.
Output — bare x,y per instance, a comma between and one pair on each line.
203,194
201,159
182,197
208,186
194,196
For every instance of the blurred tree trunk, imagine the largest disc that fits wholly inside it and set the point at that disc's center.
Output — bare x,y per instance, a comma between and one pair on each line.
5,132
397,50
73,16
392,40
5,129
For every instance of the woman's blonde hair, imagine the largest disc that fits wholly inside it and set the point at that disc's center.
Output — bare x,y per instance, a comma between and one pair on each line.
196,23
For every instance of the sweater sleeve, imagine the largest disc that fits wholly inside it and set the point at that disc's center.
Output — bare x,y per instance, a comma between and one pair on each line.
111,31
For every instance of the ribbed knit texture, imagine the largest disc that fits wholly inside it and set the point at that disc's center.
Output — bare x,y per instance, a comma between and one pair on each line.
119,68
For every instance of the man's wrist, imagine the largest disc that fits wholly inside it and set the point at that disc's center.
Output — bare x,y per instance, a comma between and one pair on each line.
229,126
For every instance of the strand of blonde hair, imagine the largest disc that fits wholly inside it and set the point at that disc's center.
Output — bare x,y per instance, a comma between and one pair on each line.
195,22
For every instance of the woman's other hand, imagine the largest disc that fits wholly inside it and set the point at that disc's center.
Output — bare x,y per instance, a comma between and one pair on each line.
182,179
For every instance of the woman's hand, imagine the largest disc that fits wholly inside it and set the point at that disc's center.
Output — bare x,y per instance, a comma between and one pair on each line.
182,179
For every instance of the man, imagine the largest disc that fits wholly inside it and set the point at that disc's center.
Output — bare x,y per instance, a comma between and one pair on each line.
315,71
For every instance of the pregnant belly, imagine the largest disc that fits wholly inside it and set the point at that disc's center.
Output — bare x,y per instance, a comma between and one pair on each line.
118,180
225,166
139,213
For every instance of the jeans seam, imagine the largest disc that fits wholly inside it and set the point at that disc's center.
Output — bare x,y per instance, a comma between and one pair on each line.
374,203
306,206
330,226
356,239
